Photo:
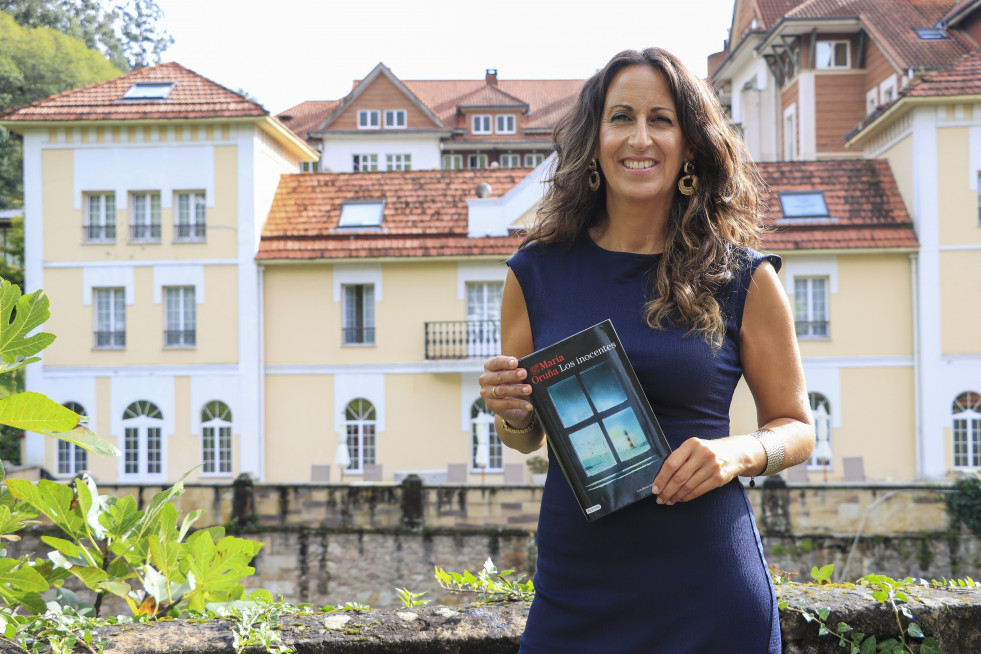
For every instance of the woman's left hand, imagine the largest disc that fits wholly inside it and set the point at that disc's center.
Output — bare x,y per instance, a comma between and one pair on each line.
701,465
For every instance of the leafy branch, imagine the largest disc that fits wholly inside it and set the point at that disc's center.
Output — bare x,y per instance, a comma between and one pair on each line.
488,584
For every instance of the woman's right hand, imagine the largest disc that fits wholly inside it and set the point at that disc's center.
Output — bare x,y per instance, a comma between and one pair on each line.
502,389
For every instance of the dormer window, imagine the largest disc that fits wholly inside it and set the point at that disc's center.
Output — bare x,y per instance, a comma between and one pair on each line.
360,214
395,119
149,91
803,205
368,119
832,54
505,124
480,124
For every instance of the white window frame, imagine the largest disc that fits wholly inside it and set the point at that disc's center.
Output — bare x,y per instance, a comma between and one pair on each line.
888,90
811,306
190,216
966,428
871,100
144,222
510,160
100,217
484,318
790,133
364,163
505,124
369,119
72,459
494,445
310,166
816,399
833,45
110,318
398,162
533,160
452,162
358,315
139,432
395,119
481,124
479,159
216,424
180,317
364,436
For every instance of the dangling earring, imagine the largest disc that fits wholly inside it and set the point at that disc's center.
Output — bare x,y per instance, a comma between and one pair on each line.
594,177
689,182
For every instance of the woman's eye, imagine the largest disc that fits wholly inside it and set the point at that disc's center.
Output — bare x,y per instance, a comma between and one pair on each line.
619,117
661,119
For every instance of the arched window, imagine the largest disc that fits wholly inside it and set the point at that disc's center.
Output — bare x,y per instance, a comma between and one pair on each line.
479,413
823,455
360,421
216,438
142,439
71,458
967,430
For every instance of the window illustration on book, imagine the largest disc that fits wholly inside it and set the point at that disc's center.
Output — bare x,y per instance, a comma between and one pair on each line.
597,419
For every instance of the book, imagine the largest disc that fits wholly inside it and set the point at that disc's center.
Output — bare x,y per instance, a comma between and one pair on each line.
597,419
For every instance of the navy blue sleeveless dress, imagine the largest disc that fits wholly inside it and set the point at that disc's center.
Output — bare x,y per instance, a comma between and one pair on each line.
650,578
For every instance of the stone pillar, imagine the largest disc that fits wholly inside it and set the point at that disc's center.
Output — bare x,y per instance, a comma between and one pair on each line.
243,501
412,517
776,507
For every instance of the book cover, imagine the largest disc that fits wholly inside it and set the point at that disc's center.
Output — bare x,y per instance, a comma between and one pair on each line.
597,419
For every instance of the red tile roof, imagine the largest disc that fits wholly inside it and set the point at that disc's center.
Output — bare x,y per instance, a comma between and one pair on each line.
963,77
546,100
863,200
193,96
426,212
425,215
891,23
773,10
307,115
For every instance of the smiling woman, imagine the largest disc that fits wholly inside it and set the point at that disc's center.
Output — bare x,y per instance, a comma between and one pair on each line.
650,220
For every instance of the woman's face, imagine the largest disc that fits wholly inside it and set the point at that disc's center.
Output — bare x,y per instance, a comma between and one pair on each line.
641,148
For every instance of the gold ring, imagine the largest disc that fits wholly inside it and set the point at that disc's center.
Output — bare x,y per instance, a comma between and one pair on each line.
494,392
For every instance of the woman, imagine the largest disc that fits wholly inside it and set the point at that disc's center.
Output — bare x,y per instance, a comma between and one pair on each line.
649,220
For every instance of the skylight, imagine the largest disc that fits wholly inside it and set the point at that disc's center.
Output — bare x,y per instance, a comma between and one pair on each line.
362,214
929,33
149,91
803,204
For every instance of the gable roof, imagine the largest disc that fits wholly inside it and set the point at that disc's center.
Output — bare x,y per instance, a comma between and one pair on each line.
426,215
381,70
490,96
863,200
307,115
891,24
193,96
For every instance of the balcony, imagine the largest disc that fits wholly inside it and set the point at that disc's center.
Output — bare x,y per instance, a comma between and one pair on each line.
463,339
110,340
190,232
141,233
180,338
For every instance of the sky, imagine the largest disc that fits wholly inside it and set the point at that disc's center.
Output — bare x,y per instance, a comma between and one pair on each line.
284,52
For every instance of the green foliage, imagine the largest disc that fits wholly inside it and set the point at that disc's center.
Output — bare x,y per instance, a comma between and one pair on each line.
255,626
963,503
409,599
489,585
823,574
537,465
140,556
14,247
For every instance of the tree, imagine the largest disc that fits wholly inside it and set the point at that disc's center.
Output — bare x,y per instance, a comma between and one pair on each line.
144,41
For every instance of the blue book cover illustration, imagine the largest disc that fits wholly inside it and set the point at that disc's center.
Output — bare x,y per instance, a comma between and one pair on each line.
598,422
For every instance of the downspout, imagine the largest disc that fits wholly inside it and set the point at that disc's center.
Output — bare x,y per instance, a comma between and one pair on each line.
917,395
262,373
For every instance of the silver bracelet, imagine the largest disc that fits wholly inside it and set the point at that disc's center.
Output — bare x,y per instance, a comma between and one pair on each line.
773,446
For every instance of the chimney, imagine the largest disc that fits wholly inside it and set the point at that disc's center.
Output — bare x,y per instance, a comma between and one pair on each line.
490,77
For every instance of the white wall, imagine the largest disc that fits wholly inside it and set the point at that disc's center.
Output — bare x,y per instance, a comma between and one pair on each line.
339,150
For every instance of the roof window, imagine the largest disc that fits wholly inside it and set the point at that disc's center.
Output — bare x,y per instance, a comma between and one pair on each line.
362,214
797,205
930,33
149,91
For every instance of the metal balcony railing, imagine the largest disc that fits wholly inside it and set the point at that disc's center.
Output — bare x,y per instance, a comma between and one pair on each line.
180,337
144,233
812,328
191,232
98,233
110,339
463,339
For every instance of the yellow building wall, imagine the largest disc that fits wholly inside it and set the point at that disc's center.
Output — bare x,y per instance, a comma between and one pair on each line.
957,202
877,422
303,322
63,224
960,301
900,158
299,426
872,312
74,323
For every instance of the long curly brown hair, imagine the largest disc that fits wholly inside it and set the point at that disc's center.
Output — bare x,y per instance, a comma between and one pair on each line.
705,230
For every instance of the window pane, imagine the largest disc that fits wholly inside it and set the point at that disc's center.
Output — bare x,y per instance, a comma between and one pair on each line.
132,450
153,450
225,449
208,448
